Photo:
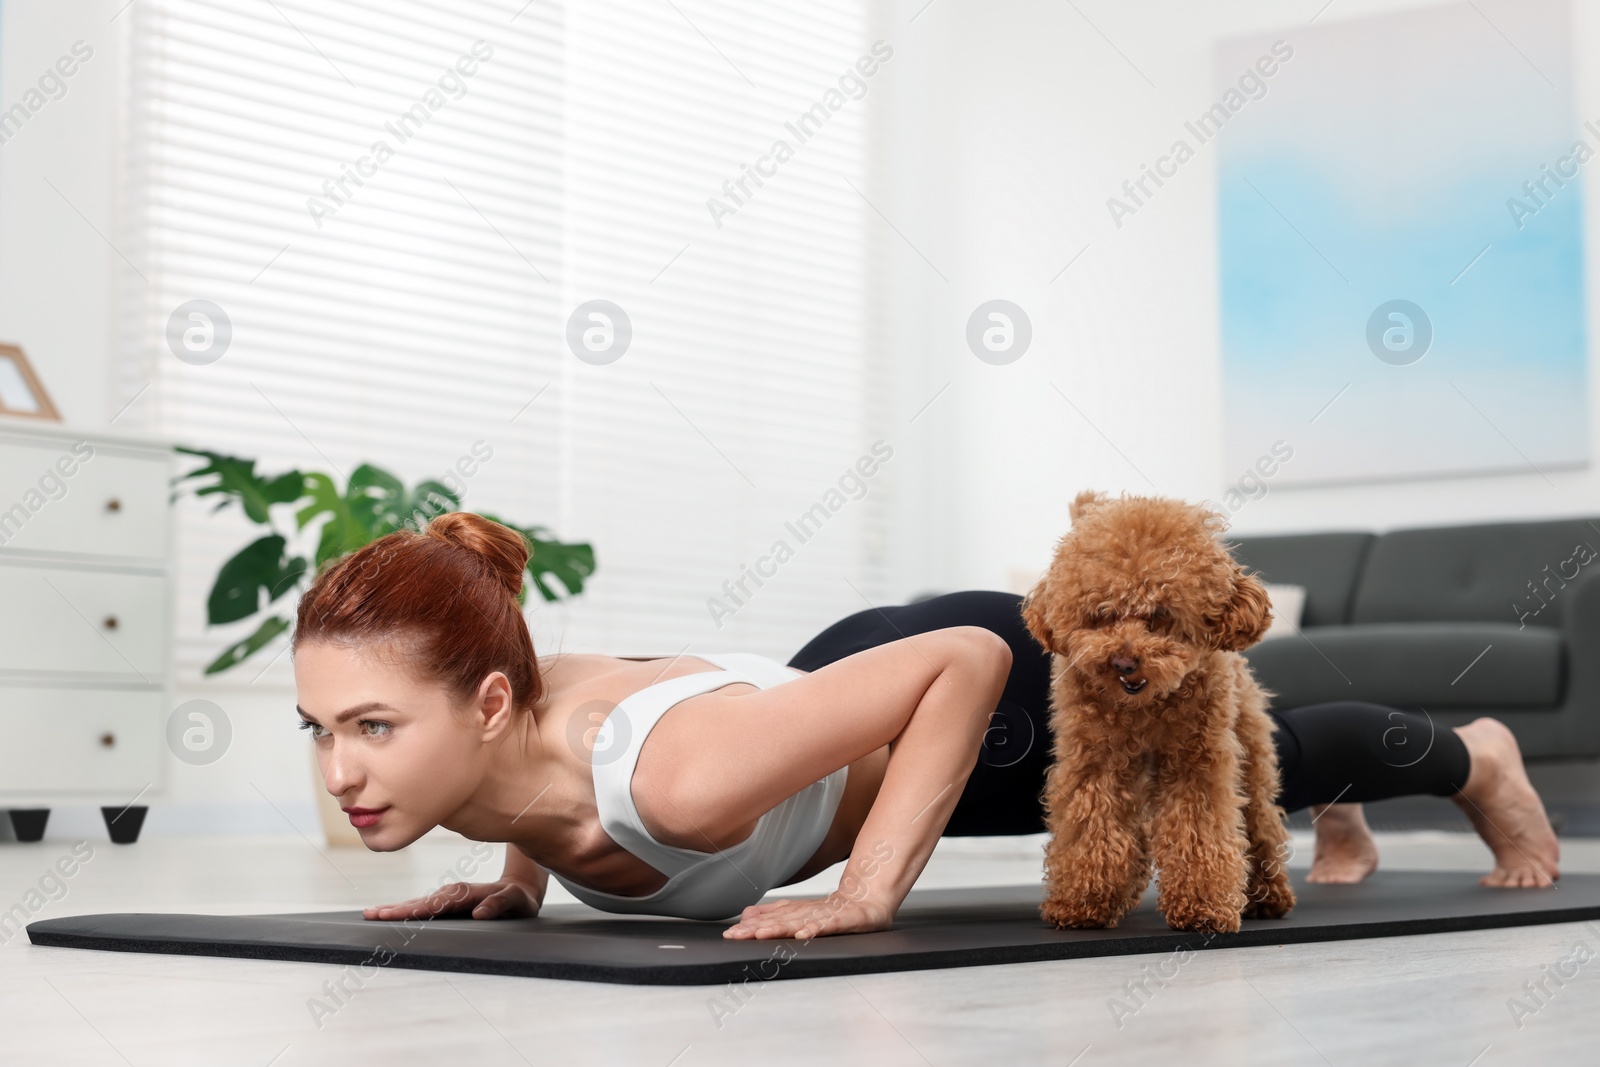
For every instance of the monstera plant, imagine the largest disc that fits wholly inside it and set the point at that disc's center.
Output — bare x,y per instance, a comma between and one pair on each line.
373,504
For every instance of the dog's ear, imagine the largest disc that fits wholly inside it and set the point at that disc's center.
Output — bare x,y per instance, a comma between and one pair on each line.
1034,618
1083,502
1246,618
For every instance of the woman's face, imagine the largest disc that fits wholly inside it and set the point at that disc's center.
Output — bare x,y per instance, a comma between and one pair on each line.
387,743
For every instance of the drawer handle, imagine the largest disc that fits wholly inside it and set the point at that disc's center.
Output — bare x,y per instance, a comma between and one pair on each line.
111,622
113,504
108,739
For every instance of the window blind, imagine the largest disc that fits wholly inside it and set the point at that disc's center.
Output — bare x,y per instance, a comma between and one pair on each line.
398,207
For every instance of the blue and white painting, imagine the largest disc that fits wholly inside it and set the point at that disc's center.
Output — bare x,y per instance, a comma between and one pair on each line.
1401,245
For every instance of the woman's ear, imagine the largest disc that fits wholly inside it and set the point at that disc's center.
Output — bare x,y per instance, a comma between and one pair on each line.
1247,617
495,708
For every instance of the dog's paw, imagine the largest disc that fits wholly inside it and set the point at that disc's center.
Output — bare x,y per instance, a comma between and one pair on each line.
1258,909
1272,900
1202,918
1078,915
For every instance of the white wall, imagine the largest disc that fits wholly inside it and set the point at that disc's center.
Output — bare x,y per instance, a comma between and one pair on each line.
57,274
1008,125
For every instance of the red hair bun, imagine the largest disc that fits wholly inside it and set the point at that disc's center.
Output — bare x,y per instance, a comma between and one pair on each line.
501,547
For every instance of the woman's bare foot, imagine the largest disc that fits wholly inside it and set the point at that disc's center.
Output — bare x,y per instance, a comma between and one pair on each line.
1502,804
1346,852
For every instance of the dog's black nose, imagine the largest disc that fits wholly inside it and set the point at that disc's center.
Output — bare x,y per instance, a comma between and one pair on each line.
1124,664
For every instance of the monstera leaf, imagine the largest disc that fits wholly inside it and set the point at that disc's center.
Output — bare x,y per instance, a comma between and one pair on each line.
237,480
373,503
262,566
239,650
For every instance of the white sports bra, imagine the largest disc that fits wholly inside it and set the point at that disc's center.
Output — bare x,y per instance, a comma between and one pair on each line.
702,885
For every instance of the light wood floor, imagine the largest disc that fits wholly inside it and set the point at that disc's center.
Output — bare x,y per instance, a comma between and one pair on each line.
1417,1001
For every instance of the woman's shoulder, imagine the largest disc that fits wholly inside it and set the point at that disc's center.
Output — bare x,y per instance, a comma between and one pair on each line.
578,668
570,669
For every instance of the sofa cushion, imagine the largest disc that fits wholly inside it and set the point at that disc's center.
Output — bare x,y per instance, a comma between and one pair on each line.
1514,573
1327,564
1421,663
1288,609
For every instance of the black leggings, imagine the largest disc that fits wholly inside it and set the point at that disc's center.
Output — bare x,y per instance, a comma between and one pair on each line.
1348,751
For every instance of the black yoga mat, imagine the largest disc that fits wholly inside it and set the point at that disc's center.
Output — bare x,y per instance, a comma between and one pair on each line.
933,928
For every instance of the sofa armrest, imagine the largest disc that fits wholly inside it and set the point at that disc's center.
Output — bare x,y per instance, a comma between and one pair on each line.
1580,624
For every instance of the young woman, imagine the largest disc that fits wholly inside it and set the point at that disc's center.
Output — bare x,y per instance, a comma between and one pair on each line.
417,678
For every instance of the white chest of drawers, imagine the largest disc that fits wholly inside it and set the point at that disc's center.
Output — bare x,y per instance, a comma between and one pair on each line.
85,621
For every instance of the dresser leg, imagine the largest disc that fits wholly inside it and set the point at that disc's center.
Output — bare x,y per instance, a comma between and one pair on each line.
124,824
29,823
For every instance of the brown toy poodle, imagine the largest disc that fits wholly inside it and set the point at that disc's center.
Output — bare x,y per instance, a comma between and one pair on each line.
1163,748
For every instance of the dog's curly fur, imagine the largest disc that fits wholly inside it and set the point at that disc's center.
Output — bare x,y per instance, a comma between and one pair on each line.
1179,772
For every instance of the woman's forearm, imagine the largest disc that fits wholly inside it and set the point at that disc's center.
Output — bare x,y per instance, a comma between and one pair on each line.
928,765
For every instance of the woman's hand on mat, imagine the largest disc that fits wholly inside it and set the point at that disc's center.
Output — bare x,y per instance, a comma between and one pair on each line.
805,919
505,899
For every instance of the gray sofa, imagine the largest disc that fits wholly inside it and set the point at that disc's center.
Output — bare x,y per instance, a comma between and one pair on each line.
1499,619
